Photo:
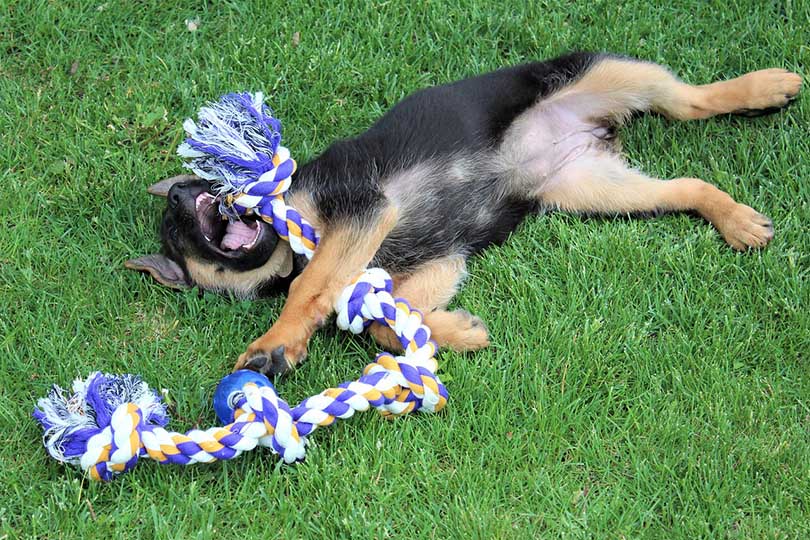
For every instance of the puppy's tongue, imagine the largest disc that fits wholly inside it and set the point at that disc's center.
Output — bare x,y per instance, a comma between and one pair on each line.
238,234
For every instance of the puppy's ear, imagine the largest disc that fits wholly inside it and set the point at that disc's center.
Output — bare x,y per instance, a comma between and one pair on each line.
161,189
163,269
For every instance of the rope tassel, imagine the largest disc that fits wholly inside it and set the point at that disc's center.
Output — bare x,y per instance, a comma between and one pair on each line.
111,421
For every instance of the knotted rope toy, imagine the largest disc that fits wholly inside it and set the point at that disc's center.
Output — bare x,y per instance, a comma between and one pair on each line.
110,421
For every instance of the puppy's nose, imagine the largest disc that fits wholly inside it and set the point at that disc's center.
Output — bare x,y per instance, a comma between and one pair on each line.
174,198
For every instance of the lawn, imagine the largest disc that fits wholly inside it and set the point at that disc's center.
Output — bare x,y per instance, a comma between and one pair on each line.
644,380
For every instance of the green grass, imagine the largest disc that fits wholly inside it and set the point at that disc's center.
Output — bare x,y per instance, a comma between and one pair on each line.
644,380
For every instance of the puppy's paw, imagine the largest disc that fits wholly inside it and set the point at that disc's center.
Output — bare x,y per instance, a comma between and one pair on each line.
745,228
385,337
459,330
769,90
272,356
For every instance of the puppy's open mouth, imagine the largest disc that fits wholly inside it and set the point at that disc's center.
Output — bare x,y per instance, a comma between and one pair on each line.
223,234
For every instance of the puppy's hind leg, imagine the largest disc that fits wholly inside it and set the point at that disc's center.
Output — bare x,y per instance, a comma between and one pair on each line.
603,184
619,86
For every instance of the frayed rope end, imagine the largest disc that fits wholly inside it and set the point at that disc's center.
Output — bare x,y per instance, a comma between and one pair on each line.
70,420
233,141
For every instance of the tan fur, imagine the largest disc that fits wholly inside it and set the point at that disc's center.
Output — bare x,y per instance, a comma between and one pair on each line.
243,284
341,256
604,184
758,90
458,330
622,86
600,181
433,285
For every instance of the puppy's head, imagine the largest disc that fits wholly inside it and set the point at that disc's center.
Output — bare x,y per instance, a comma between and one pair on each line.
245,258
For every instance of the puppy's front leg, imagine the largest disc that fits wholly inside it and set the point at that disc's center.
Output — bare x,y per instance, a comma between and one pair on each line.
343,253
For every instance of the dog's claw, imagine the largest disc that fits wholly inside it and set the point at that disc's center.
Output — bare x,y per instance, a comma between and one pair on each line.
276,364
280,363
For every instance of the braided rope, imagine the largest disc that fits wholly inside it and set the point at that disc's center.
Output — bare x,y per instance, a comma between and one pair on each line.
265,198
395,385
113,421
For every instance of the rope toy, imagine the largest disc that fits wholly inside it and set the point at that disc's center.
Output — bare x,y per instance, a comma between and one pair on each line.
110,421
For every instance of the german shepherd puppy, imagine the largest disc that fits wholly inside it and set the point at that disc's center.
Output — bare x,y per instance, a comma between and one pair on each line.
447,172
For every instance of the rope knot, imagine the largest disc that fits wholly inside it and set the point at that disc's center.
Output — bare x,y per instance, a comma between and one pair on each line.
264,186
420,388
262,415
365,300
116,448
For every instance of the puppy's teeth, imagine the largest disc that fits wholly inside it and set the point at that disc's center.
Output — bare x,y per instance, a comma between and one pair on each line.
255,238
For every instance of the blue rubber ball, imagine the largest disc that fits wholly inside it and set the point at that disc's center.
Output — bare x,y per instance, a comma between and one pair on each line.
229,385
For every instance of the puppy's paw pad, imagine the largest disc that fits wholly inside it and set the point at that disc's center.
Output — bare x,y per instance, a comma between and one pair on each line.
270,365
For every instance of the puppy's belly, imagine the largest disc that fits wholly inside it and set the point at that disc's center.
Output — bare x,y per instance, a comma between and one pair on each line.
549,137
